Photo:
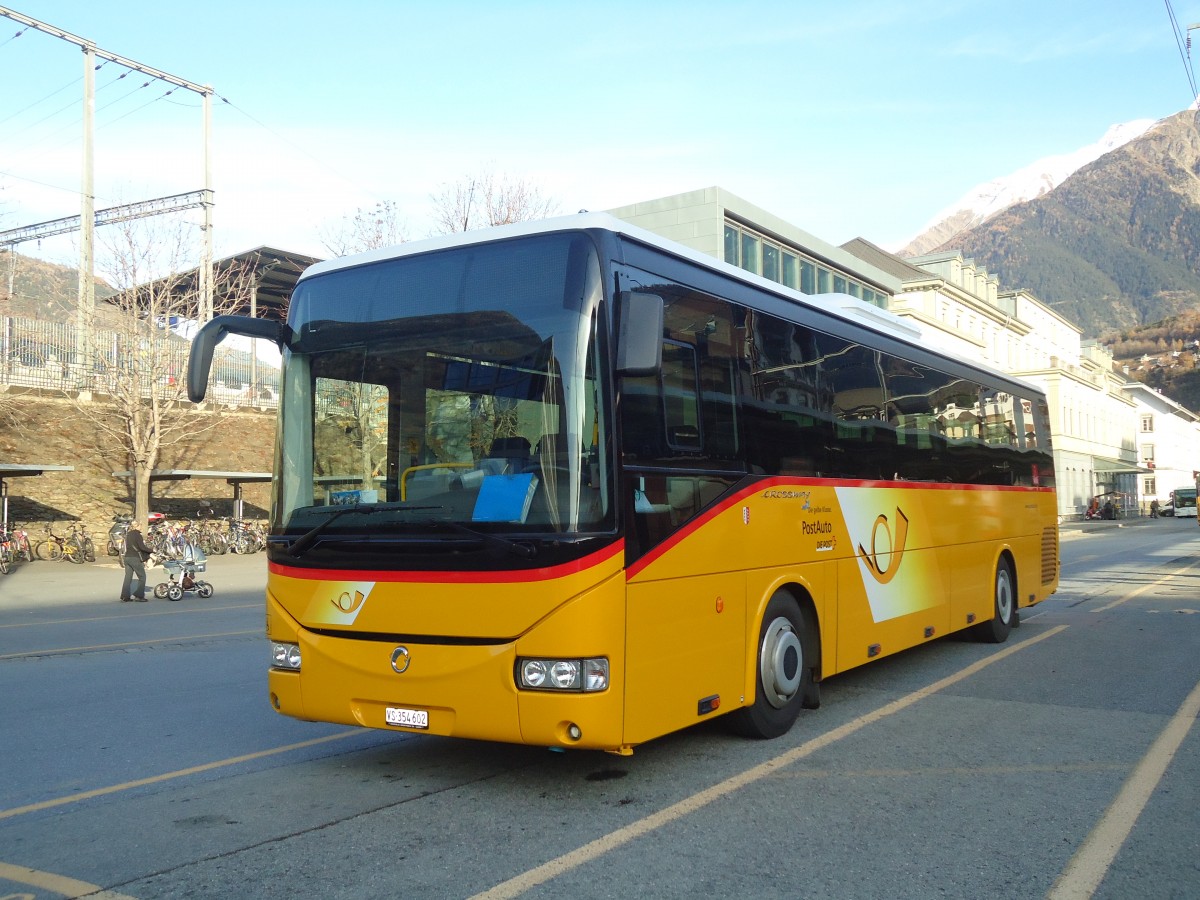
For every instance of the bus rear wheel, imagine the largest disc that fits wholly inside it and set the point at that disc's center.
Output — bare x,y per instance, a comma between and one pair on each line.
784,672
1004,607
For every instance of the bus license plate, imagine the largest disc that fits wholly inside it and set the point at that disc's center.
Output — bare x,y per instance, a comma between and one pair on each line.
407,718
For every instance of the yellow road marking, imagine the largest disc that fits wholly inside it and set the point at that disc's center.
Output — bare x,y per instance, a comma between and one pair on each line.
1146,587
171,612
161,640
1095,856
597,848
59,884
167,776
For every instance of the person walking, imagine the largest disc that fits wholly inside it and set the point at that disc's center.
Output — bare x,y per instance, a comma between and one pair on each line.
134,557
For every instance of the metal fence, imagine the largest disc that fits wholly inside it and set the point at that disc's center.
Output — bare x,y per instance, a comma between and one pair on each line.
35,353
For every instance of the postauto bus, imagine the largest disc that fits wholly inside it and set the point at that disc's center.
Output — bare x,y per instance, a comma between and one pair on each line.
567,483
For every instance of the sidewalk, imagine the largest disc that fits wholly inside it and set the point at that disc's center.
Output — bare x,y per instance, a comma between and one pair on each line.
41,583
1081,527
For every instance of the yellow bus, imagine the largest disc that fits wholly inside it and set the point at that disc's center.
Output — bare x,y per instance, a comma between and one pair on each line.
570,484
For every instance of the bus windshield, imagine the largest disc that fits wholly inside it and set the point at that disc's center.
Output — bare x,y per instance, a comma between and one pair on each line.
455,391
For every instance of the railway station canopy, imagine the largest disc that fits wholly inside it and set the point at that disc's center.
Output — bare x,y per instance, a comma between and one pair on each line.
273,274
235,479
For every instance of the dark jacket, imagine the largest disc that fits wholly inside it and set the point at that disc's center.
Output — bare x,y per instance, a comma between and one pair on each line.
135,545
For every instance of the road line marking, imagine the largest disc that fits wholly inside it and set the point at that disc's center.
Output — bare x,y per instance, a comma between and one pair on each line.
1145,587
163,640
117,617
167,776
959,771
58,884
532,878
1093,859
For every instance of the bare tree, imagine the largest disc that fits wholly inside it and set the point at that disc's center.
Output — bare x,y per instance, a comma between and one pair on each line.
139,364
367,229
478,201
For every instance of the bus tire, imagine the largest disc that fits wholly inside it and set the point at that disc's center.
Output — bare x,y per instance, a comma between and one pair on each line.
1004,607
783,672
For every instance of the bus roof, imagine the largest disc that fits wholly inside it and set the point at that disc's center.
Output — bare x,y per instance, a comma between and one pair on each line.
843,306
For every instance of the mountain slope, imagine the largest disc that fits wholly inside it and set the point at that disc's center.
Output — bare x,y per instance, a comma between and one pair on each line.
1117,243
44,290
1027,183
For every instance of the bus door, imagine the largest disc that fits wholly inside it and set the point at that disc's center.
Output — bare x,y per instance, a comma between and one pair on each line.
685,605
686,637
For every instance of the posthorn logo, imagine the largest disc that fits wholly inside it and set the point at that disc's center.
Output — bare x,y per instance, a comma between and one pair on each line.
349,603
886,545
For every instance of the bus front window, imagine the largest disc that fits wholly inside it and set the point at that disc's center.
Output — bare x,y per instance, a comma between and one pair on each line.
481,409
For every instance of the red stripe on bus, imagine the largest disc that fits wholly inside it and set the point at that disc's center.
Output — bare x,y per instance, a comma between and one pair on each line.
768,483
546,573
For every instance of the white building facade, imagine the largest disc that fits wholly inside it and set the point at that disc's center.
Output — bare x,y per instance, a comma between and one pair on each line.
1168,444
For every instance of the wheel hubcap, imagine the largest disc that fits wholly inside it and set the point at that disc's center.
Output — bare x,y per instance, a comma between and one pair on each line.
1004,597
782,662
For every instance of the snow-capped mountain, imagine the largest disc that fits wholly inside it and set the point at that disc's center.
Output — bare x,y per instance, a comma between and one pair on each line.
1028,183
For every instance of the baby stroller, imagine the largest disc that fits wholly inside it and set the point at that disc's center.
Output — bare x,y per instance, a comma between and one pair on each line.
182,576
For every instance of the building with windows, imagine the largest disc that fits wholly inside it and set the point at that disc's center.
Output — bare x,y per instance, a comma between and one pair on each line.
1168,444
959,306
723,225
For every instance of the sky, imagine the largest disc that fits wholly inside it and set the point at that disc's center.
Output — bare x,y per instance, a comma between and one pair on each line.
847,118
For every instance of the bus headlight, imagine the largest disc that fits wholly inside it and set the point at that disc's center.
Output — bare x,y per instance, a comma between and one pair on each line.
540,674
285,656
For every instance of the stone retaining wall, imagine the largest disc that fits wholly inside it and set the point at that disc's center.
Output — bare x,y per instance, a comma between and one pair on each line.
44,429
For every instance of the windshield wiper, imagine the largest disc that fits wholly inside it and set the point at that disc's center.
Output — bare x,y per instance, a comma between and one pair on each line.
301,545
517,548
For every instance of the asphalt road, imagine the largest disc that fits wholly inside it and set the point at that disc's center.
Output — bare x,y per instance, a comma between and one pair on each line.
141,759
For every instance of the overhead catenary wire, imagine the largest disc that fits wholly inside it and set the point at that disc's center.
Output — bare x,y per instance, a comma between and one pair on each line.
72,83
15,36
1183,42
297,147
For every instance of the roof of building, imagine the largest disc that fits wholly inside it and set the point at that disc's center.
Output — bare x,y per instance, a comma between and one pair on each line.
881,259
275,273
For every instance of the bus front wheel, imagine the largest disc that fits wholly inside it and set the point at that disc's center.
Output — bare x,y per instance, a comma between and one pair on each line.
1004,607
784,680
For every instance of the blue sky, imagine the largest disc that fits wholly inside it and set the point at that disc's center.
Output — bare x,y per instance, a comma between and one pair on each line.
852,118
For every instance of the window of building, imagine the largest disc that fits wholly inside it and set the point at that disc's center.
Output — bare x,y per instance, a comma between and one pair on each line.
808,278
755,253
1147,424
791,267
770,262
731,245
749,259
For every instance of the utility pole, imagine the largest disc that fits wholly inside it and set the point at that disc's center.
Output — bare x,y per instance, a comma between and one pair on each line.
86,309
87,218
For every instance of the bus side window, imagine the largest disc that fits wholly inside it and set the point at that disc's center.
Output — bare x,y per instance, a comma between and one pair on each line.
681,397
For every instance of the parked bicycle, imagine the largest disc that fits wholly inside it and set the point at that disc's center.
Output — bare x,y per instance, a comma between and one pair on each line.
21,548
57,546
82,539
167,539
246,537
51,546
207,532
